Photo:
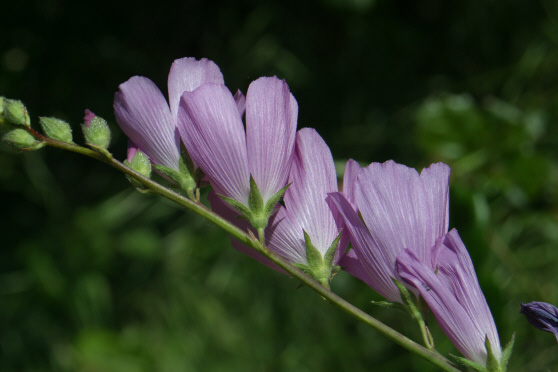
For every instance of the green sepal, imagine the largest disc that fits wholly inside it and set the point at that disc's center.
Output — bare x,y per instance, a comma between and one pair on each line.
183,176
469,363
506,354
241,208
255,200
330,254
15,113
187,163
135,183
97,134
256,212
22,140
304,268
272,202
492,364
319,267
187,182
313,255
169,172
141,164
56,129
408,301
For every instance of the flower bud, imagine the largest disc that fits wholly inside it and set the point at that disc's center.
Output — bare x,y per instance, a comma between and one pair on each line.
56,129
14,112
19,138
96,130
541,315
141,164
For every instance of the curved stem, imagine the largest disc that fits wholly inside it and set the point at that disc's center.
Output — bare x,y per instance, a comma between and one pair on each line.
253,242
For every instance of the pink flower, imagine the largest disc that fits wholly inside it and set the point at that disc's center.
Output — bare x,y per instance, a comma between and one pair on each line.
400,209
210,124
148,120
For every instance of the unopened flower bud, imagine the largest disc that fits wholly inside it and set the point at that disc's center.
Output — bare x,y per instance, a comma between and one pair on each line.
14,112
141,164
56,129
96,130
541,315
22,140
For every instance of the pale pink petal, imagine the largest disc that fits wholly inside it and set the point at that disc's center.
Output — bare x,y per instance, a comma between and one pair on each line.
352,168
396,208
378,262
144,116
454,296
271,116
284,236
351,264
187,74
214,135
436,183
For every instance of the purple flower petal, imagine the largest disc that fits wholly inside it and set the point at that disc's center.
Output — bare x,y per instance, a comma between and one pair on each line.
312,177
144,116
285,236
378,262
454,296
187,74
351,264
213,133
271,116
352,169
436,183
396,208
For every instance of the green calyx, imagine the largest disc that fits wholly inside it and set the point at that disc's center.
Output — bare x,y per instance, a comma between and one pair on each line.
141,164
492,363
184,177
15,113
97,135
56,129
321,268
257,212
22,140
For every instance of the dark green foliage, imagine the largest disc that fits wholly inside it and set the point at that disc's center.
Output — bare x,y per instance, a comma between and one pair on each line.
97,277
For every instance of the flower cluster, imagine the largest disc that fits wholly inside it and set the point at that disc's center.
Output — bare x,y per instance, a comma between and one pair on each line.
281,185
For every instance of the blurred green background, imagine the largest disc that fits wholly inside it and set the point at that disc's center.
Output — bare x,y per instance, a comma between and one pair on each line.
96,277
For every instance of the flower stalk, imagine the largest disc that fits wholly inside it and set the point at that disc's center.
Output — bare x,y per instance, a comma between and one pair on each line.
250,240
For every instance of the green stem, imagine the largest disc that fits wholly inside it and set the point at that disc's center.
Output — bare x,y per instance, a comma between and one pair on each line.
252,241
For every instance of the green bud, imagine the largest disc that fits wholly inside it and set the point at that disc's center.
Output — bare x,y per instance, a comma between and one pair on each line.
141,164
56,129
22,140
97,133
14,112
